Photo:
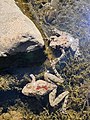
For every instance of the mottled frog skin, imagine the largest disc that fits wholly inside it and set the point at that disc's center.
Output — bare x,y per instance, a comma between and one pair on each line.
42,87
65,40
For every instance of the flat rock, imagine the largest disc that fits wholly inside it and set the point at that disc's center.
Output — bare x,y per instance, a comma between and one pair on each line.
17,32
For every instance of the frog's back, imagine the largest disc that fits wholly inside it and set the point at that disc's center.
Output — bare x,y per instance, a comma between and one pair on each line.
43,87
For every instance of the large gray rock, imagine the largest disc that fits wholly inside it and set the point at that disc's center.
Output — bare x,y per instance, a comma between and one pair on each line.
17,32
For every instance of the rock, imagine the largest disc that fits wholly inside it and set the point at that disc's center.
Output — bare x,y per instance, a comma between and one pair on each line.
65,40
17,32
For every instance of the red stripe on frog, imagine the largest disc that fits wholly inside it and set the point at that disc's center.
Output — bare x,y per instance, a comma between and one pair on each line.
40,87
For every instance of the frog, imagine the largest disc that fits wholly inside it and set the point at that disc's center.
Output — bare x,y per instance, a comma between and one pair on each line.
65,40
47,85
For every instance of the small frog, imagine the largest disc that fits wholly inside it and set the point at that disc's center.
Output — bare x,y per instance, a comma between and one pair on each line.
65,40
48,85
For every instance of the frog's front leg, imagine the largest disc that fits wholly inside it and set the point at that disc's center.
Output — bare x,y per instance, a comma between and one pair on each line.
55,101
55,61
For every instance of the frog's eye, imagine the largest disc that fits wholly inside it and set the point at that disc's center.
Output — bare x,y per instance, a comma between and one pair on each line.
52,38
58,35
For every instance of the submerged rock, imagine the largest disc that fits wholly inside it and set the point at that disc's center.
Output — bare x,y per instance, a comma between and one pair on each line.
17,32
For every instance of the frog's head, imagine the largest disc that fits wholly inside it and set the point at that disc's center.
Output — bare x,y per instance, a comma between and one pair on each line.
62,41
29,89
60,38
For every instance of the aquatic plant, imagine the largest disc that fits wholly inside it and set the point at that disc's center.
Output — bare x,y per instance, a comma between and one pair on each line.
6,82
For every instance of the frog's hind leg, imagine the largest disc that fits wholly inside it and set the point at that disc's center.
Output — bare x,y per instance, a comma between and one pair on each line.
65,104
52,78
55,101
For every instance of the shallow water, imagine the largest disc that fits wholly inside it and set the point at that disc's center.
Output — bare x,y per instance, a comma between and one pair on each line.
75,19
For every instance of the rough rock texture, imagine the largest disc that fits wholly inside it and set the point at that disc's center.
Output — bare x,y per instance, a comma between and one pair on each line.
17,32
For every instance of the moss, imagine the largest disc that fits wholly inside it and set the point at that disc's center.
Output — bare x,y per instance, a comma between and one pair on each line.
6,82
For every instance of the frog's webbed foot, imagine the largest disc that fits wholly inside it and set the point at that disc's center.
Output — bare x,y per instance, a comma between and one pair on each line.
55,101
